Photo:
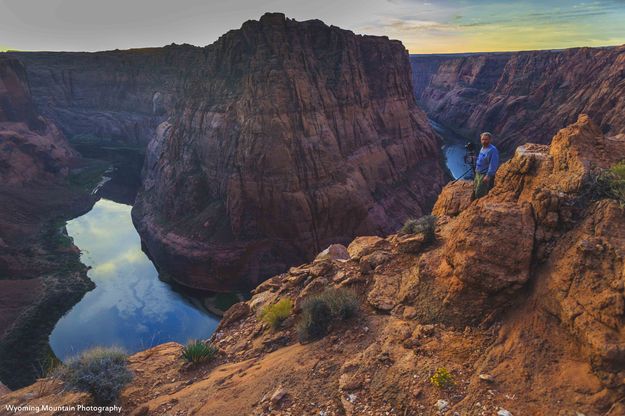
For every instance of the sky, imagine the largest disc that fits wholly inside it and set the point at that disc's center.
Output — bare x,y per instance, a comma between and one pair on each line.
434,26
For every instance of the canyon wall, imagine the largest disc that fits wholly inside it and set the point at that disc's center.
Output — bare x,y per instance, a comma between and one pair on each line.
31,147
523,96
288,136
114,95
41,276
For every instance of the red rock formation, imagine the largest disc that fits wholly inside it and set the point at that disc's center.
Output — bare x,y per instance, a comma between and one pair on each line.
290,136
524,96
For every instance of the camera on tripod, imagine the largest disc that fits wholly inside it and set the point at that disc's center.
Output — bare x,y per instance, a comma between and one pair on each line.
469,153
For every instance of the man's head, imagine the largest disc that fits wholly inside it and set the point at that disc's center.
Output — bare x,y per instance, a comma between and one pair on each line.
485,138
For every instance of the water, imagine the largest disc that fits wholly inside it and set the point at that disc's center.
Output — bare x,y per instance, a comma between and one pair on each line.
130,307
454,151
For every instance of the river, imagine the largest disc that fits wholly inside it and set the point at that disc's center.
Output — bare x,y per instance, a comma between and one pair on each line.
454,151
131,307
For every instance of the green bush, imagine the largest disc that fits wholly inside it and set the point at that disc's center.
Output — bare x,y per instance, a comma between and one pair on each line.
615,178
442,378
276,313
101,372
318,311
198,351
425,225
606,183
314,320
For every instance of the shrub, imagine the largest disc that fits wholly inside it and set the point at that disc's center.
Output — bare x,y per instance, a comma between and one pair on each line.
101,372
318,311
425,225
315,319
607,183
276,313
442,378
198,351
615,178
343,302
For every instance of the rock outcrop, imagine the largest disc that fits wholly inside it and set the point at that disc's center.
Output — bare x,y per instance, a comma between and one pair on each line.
519,298
523,96
288,137
31,147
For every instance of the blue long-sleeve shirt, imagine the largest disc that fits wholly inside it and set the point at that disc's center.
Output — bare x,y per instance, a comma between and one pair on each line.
488,161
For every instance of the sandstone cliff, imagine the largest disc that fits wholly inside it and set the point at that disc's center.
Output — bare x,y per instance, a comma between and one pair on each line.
118,95
40,273
287,137
520,297
523,96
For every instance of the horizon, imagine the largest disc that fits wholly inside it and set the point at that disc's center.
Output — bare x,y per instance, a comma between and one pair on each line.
425,28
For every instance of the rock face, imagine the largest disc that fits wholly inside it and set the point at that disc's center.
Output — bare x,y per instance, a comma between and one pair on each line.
519,297
291,136
41,276
525,96
31,147
118,95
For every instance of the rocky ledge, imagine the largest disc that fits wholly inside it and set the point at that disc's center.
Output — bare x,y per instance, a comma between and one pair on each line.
519,297
287,137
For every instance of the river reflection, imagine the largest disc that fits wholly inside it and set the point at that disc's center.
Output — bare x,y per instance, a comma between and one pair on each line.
130,307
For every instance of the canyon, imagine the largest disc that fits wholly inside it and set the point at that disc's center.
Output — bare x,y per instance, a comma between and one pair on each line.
283,138
291,136
519,297
523,96
278,139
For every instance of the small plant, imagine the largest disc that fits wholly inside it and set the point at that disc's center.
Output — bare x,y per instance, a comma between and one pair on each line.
607,183
318,311
442,378
425,225
343,302
101,372
198,351
276,313
315,319
615,178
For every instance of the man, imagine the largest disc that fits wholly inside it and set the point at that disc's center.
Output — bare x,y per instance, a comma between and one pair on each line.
486,166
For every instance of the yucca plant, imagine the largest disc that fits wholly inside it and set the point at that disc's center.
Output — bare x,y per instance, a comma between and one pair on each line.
198,351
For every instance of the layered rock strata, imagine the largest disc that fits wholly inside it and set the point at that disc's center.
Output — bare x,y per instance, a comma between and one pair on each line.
41,276
288,137
523,96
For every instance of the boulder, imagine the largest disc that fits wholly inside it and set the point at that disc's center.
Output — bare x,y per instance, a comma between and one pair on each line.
361,246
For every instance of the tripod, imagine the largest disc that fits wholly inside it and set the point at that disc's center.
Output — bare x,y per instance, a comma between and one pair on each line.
462,176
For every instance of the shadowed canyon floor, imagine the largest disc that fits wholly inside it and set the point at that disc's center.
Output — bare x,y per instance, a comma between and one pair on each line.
520,297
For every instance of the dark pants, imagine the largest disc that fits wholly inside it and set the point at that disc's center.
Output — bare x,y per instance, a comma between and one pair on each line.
481,188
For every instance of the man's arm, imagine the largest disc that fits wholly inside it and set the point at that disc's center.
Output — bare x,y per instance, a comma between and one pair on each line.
493,165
